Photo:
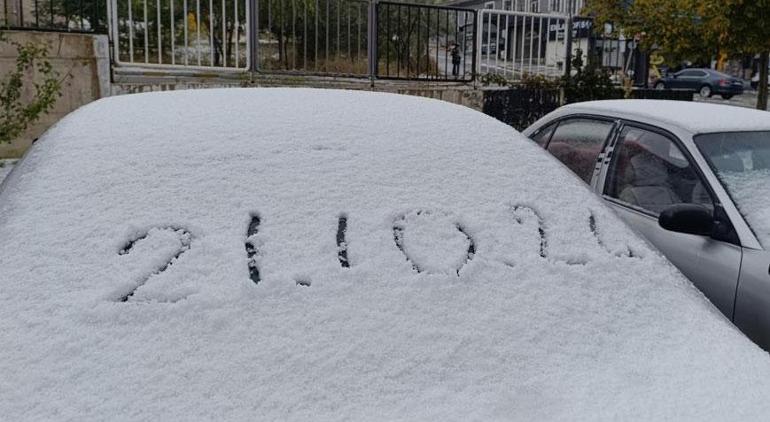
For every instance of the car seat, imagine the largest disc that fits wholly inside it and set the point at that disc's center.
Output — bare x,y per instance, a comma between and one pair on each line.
650,187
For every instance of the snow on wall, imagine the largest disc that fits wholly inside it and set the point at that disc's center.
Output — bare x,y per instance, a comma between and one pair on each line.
181,255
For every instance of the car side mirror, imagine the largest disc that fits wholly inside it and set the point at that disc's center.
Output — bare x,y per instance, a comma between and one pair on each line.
688,218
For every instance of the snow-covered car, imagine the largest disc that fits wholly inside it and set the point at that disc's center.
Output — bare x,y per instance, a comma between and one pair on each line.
292,254
692,178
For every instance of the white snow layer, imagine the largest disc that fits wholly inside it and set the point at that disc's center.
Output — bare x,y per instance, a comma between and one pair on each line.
749,191
5,167
486,320
695,117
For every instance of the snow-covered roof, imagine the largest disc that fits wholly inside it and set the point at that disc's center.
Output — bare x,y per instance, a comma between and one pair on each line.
694,117
338,256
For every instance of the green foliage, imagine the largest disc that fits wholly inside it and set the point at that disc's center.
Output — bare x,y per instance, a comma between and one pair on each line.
18,113
675,28
494,79
92,14
694,30
540,82
590,82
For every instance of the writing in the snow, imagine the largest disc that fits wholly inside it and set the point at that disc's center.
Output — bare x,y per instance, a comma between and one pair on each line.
520,215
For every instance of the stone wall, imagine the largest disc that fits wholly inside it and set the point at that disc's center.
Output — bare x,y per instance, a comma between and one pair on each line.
83,58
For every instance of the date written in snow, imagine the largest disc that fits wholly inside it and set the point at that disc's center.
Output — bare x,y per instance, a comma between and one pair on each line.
520,214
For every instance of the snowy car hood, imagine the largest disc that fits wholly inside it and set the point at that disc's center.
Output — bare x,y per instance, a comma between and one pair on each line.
292,254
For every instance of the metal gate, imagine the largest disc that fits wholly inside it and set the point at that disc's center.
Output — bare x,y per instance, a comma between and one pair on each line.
359,38
196,34
87,16
421,42
514,44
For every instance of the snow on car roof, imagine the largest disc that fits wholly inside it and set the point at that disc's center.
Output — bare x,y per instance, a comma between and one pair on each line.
694,117
274,254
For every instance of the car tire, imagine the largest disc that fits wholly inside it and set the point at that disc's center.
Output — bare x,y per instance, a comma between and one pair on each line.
660,86
705,91
726,96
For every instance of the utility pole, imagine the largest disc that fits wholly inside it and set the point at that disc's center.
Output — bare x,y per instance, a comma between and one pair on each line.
764,61
372,41
568,36
253,36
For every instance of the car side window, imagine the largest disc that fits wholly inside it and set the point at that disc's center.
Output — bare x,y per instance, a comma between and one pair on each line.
691,74
578,142
543,135
650,171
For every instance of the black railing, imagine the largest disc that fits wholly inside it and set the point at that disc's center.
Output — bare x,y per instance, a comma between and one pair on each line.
421,42
54,15
667,94
520,107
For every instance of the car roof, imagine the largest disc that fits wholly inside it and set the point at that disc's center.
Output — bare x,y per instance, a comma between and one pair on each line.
274,254
704,69
694,117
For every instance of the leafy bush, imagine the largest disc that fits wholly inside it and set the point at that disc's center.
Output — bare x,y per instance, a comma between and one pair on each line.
494,79
18,113
590,82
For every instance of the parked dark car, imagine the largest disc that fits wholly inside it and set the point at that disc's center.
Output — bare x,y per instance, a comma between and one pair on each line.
706,82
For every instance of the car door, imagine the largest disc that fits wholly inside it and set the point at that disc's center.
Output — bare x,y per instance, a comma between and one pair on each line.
650,170
690,79
577,142
675,81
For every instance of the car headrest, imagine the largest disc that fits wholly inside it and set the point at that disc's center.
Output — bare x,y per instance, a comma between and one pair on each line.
647,170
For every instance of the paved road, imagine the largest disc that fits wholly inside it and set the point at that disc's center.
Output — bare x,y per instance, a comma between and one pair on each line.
748,99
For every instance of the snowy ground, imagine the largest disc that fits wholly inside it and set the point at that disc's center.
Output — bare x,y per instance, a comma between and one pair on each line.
5,168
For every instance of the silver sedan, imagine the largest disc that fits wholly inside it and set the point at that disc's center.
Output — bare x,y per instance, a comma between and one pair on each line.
692,178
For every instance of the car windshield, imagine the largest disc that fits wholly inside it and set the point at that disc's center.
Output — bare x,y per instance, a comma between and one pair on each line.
741,160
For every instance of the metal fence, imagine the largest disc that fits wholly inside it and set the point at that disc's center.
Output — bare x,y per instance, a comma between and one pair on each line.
425,42
314,36
186,33
563,7
520,106
361,38
325,37
514,44
54,15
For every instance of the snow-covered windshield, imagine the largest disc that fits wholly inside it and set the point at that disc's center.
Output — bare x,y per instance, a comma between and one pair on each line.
741,160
